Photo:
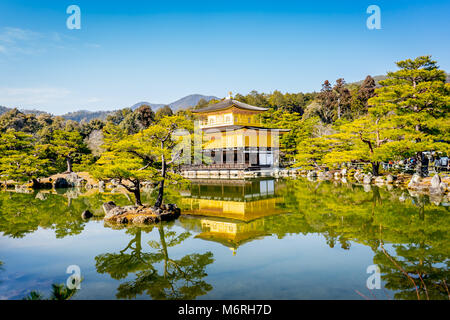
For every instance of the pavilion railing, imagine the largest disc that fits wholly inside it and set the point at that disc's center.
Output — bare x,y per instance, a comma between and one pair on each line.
235,166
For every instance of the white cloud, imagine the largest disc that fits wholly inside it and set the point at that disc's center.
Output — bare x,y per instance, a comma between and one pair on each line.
14,35
22,41
93,45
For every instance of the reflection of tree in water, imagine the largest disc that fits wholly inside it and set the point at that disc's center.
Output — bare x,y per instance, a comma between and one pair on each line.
59,292
24,213
416,271
420,267
1,269
418,230
178,279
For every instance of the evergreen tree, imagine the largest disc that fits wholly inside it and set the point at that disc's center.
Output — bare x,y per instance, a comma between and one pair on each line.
327,100
359,103
165,111
342,98
146,155
20,160
145,116
68,145
418,100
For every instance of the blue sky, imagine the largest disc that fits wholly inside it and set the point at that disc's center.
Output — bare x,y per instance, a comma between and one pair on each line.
159,51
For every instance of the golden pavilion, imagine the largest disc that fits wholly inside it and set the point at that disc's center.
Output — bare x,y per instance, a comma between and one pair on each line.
234,139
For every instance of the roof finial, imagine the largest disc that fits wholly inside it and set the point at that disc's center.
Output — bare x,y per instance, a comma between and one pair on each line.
230,95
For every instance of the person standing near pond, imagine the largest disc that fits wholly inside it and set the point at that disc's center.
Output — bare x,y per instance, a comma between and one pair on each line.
422,164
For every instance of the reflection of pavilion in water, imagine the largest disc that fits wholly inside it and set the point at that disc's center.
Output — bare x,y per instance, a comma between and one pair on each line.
232,212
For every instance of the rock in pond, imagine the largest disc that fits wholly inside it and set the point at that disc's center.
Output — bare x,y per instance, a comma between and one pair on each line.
389,178
436,181
107,206
61,183
86,215
140,215
379,180
437,186
414,180
367,178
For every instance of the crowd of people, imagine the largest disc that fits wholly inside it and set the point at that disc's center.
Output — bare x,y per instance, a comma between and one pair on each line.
427,159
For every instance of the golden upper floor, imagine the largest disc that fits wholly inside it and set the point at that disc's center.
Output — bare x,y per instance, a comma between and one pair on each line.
229,112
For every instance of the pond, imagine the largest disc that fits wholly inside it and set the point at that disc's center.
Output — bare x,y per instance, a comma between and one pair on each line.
258,239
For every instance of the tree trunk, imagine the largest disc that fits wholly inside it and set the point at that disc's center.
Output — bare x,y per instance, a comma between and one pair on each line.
376,198
36,183
69,165
137,193
164,248
159,200
376,169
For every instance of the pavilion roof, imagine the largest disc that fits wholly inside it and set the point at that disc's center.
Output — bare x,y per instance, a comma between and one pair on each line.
238,127
228,103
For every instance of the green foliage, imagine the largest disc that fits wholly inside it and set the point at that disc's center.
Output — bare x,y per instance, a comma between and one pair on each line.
180,279
289,102
21,159
146,155
59,292
361,96
416,100
18,121
408,114
165,111
132,121
335,102
68,145
300,130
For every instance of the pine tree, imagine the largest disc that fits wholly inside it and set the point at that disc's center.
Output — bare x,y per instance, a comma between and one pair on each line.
68,145
146,155
21,160
342,98
418,101
359,103
326,99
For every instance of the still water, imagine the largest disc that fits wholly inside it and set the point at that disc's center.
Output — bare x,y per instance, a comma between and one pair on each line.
259,239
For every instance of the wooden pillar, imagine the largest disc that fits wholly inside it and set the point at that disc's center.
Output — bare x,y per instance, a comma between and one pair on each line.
240,156
229,157
219,156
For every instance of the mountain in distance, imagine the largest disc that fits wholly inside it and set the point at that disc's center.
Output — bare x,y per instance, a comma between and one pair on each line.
33,111
183,103
4,109
190,101
85,115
